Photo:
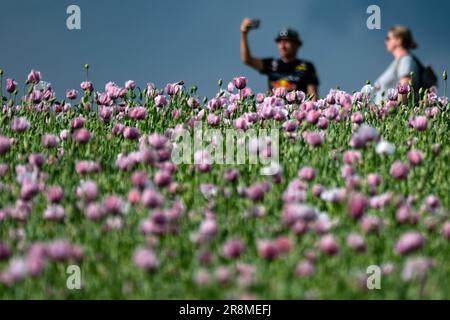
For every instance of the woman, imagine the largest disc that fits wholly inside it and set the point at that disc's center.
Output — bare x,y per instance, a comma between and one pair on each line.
399,42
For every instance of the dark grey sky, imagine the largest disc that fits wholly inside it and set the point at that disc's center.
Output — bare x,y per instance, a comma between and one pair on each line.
198,40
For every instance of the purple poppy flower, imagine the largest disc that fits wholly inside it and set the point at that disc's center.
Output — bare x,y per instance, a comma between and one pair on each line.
409,242
240,82
82,136
34,76
329,245
72,94
11,85
399,170
5,145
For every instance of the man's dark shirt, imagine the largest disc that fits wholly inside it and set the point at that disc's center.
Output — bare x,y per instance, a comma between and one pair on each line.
295,75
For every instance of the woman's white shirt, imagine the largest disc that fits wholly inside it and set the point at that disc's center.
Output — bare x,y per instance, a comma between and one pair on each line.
397,70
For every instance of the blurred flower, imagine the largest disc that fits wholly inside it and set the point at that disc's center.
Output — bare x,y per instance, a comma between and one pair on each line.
5,145
87,190
357,117
257,191
403,88
50,140
231,175
5,251
11,85
34,76
137,113
55,194
364,135
392,94
371,224
157,141
305,269
357,205
233,248
86,85
333,195
94,211
146,259
240,82
267,249
420,123
113,204
77,122
152,199
446,230
352,157
36,159
415,157
54,212
130,85
163,178
328,244
16,271
409,242
356,242
20,124
385,148
82,136
314,139
72,94
131,133
417,268
86,166
399,170
160,101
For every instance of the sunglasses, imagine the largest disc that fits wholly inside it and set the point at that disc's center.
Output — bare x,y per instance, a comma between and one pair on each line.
389,38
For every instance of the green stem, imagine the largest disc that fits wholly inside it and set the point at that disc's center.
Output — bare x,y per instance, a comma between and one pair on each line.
445,90
1,87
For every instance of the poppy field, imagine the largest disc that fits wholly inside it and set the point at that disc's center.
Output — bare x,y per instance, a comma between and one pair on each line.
354,204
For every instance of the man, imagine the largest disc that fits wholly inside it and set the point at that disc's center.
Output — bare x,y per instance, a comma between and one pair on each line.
288,71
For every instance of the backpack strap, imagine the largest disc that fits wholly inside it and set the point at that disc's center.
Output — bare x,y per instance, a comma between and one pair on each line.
421,66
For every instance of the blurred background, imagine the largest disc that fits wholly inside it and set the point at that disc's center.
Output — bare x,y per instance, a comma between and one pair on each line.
198,41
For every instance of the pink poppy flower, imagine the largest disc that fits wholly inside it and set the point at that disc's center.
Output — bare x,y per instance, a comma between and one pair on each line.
399,170
329,245
420,123
240,82
307,173
357,205
20,124
55,194
5,145
34,76
131,133
305,269
409,242
233,248
356,242
82,136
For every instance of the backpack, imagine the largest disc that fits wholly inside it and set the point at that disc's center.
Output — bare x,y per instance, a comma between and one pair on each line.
427,76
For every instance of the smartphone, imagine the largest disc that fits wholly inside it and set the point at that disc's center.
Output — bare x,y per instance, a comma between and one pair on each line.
254,24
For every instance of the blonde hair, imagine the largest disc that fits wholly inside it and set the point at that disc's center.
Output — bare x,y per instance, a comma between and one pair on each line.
405,35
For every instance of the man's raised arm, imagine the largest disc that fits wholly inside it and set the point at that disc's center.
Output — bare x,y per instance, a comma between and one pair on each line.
245,51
